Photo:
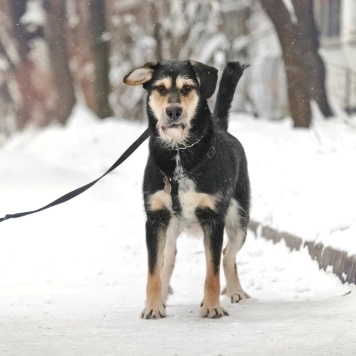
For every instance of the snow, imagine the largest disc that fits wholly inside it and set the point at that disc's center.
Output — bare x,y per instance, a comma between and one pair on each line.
303,181
73,277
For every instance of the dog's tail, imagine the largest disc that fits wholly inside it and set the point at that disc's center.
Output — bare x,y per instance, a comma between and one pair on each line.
229,79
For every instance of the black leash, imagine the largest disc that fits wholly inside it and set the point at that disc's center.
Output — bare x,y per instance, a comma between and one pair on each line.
82,189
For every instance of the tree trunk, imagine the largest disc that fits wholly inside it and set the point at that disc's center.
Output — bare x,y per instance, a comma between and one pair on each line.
28,82
32,80
9,58
101,50
80,53
156,8
298,90
89,51
55,32
308,39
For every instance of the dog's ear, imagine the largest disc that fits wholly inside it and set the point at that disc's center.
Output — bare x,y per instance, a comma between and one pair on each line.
207,77
141,75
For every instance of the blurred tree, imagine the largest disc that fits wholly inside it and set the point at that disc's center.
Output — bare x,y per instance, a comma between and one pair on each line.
88,43
47,49
39,87
55,33
8,60
25,68
297,76
80,50
27,88
53,50
304,67
308,38
100,38
191,29
131,45
160,29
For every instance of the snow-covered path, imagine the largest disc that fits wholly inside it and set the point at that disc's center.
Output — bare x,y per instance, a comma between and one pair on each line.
72,278
77,289
78,326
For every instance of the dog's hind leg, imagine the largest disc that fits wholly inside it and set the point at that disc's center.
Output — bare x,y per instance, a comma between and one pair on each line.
236,238
233,287
170,251
156,227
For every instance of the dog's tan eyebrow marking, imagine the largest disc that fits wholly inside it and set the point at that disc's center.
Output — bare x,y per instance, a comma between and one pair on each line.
166,82
182,80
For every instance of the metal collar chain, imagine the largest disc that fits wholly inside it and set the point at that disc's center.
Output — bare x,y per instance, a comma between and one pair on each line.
184,147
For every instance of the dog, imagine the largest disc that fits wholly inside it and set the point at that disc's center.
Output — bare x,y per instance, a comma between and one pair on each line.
196,177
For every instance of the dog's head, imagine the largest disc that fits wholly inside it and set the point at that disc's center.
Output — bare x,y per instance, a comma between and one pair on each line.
175,90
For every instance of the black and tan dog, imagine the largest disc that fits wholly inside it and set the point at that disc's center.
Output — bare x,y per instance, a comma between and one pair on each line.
196,176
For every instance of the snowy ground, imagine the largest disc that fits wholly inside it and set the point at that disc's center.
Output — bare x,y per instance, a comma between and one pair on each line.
72,278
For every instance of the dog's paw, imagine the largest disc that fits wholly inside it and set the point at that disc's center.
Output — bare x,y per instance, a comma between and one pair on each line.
212,312
236,296
154,312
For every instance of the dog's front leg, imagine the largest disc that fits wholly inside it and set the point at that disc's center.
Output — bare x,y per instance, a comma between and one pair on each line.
155,240
213,240
173,231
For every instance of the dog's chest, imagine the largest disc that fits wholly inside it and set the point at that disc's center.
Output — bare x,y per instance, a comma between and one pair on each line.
185,194
190,200
188,196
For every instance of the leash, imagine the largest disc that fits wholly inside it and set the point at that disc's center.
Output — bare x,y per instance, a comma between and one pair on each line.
82,189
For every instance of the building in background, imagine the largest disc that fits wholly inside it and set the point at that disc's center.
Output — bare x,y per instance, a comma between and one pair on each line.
336,21
263,87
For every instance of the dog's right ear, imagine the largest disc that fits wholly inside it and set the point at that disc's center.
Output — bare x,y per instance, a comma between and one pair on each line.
141,75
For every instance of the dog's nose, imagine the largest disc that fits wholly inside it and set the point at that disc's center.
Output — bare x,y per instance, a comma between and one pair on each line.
174,112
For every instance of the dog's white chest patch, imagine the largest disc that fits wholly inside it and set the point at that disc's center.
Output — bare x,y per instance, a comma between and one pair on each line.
189,199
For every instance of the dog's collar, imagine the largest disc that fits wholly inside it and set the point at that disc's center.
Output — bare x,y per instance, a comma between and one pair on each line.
184,147
208,156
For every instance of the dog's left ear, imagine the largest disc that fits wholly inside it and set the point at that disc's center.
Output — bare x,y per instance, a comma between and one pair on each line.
141,75
207,77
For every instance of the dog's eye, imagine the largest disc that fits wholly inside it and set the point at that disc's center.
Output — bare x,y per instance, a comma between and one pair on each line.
186,89
161,89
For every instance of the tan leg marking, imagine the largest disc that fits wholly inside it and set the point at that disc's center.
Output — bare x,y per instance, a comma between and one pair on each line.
210,307
233,287
236,237
155,308
170,251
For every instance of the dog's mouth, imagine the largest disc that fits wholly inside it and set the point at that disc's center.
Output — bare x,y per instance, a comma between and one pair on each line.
173,132
174,126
